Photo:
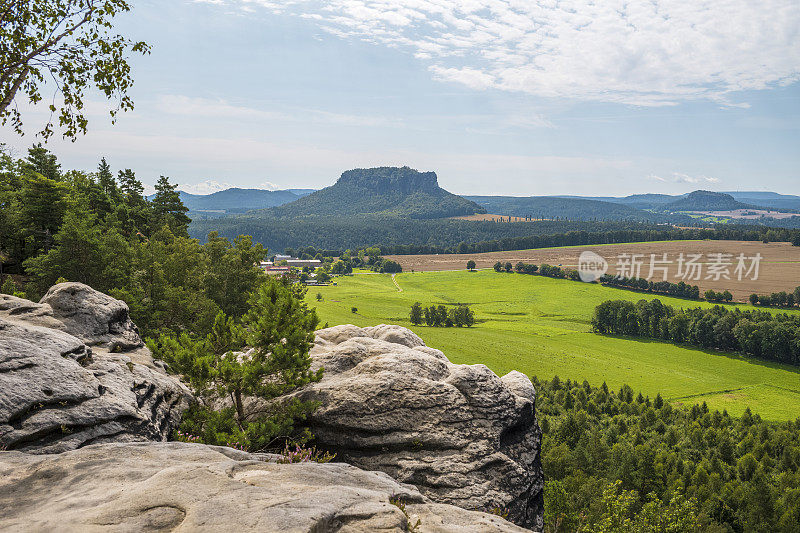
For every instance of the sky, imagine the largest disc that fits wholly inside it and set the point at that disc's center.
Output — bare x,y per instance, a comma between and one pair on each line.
511,97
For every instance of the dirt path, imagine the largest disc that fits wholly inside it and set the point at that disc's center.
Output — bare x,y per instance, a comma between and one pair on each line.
399,289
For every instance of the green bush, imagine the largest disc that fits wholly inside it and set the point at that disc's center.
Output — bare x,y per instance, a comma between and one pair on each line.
279,329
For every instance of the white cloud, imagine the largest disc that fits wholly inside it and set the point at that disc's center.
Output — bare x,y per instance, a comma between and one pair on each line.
212,186
204,187
218,108
659,52
679,177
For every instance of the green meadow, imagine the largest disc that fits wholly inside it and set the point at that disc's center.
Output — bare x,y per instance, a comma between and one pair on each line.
541,326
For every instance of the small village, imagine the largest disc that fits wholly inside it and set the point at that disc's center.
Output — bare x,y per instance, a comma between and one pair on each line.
306,268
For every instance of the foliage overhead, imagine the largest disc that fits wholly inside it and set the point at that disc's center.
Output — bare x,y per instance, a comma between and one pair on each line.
64,46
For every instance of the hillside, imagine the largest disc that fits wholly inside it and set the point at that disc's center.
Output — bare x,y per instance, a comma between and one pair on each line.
561,207
237,200
768,199
541,326
705,201
392,191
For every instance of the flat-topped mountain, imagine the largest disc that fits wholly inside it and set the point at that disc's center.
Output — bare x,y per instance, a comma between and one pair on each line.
393,191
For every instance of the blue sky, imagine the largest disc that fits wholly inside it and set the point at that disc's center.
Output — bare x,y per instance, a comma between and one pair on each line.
515,97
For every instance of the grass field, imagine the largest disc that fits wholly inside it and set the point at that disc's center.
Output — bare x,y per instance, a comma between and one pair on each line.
540,326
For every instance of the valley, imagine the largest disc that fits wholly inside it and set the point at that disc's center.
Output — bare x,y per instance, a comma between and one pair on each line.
541,327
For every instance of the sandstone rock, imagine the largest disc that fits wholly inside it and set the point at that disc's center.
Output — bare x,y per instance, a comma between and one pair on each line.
57,393
460,433
93,317
192,487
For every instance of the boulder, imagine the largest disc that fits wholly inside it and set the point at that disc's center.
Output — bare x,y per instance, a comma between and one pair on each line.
93,317
460,433
191,487
58,393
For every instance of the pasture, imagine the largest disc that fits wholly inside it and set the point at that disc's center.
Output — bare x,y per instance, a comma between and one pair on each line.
541,326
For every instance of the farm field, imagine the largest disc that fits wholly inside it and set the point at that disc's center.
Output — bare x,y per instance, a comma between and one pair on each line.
779,269
540,326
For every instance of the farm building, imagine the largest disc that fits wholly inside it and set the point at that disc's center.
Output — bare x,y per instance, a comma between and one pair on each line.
300,263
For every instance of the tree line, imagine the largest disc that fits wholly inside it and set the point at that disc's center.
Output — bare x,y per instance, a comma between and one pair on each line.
369,258
196,305
716,296
618,461
549,271
442,317
678,290
398,236
99,229
775,337
777,299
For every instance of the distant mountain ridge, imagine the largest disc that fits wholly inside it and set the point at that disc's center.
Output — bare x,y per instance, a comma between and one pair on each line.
387,191
237,200
573,208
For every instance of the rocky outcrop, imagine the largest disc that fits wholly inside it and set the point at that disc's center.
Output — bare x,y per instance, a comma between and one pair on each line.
75,379
95,318
460,433
192,487
74,371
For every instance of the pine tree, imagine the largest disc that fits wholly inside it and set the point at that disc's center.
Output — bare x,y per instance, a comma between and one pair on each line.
168,207
42,205
131,187
280,329
41,161
105,178
76,256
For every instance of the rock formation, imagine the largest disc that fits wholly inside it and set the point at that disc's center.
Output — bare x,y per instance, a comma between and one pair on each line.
74,371
192,487
460,433
76,380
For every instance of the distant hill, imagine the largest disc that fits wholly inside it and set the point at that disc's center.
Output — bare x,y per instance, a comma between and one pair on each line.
393,191
237,200
642,201
648,201
768,199
753,200
573,208
706,201
301,192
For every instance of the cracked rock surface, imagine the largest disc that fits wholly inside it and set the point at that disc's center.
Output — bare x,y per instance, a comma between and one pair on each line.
460,433
73,372
192,487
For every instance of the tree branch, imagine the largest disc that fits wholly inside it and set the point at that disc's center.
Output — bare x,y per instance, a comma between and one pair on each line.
51,41
9,97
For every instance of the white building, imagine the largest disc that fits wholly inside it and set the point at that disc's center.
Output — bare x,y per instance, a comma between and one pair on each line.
300,263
